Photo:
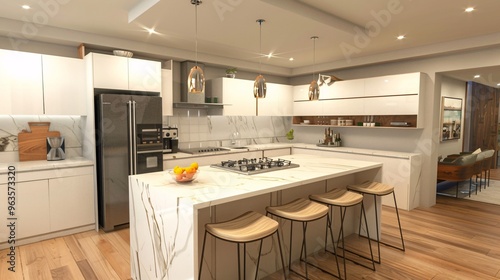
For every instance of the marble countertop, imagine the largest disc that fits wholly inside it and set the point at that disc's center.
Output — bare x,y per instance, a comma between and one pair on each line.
37,165
272,146
216,186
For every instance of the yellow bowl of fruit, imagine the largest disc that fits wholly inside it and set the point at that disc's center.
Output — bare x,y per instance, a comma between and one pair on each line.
185,174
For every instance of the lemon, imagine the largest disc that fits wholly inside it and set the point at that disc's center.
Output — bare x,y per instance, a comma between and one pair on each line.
194,165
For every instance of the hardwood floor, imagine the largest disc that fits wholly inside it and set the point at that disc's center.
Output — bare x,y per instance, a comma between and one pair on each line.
455,239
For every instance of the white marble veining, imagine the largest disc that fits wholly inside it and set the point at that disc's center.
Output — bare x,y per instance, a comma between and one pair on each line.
197,128
164,214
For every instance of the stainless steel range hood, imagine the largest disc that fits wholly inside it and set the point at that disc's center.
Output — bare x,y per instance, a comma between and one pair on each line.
186,96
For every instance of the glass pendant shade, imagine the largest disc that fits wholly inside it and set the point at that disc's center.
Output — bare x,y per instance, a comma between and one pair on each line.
196,80
259,87
313,91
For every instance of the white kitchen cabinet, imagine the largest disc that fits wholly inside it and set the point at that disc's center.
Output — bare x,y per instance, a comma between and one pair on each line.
110,72
167,92
343,107
21,83
122,73
144,75
237,95
302,106
278,101
71,201
31,209
50,201
343,89
393,85
64,85
392,105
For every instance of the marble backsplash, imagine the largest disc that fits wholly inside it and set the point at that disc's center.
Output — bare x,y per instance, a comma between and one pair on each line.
70,128
196,128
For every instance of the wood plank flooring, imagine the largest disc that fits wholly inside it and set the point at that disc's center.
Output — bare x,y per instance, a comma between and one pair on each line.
455,239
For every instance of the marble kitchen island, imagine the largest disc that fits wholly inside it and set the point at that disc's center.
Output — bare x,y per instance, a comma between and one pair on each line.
167,218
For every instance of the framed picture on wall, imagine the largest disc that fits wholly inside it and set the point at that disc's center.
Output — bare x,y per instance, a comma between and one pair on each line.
451,118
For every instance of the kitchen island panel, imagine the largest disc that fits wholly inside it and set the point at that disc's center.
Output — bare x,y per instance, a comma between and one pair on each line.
165,216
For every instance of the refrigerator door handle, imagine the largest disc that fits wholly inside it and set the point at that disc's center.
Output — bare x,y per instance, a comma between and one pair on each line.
132,139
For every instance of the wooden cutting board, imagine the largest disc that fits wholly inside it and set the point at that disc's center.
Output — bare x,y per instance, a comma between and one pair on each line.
33,145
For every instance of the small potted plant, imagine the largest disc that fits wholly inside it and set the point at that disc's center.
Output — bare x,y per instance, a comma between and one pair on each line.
231,72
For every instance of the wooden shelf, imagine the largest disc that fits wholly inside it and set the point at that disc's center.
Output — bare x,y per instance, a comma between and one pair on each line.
383,121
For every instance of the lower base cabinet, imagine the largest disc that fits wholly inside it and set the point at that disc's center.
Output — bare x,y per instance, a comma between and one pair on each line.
47,203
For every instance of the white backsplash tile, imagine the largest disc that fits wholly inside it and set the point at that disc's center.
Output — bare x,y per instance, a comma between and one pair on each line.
196,128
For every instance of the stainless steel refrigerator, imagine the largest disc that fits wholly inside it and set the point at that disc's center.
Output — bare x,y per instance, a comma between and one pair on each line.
128,141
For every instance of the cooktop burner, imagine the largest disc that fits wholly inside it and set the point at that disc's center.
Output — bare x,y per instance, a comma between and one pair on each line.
254,165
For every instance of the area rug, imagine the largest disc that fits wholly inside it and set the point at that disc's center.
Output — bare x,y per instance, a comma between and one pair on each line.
489,194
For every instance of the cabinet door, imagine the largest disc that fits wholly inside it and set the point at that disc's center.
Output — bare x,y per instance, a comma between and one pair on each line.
167,92
300,93
110,71
278,101
343,89
31,209
64,85
21,83
393,85
144,75
343,107
71,202
392,105
238,95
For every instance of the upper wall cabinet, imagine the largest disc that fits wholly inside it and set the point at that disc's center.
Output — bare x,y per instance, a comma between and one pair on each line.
64,85
278,101
393,85
235,94
21,83
394,95
122,73
237,97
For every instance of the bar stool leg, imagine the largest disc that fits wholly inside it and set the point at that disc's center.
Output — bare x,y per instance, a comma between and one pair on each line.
281,254
399,223
202,253
363,214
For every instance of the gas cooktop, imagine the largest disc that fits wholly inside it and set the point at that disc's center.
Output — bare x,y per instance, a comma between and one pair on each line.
254,166
201,150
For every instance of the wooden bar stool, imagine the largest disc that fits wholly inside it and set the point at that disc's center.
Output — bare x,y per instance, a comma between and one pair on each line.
244,229
304,211
343,198
379,189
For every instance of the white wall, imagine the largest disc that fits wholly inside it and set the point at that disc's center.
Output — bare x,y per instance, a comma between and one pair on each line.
452,88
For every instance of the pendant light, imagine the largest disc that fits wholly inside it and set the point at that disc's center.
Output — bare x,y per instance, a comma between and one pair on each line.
313,87
196,78
259,86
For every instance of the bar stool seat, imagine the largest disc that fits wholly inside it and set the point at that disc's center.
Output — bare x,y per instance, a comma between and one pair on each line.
379,189
246,228
343,198
304,211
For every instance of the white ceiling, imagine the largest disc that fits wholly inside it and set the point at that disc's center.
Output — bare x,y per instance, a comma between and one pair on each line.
228,34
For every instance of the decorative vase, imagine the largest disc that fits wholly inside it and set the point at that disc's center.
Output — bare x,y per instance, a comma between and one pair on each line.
232,75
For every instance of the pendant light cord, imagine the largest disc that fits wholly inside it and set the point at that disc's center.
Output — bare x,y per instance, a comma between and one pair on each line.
314,38
196,30
260,21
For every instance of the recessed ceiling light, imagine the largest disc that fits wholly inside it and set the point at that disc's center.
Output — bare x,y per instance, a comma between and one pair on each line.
498,84
401,37
477,76
291,59
270,55
469,9
151,30
26,7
